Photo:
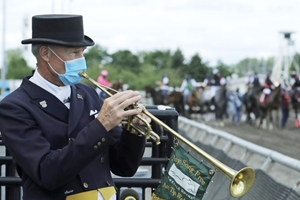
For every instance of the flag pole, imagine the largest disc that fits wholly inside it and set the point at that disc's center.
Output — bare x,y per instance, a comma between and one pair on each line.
3,70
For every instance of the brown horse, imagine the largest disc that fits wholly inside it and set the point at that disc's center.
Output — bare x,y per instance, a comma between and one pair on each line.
155,94
175,98
118,85
265,109
113,89
193,102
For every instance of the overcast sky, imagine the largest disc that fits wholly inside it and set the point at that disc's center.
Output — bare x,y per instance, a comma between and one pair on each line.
226,30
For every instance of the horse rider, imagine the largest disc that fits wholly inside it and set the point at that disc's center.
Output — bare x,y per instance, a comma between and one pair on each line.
268,87
216,77
249,80
218,81
252,84
208,81
207,84
255,82
295,86
102,79
164,87
187,85
252,80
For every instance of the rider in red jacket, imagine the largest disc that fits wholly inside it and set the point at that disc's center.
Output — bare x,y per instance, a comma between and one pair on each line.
268,82
268,87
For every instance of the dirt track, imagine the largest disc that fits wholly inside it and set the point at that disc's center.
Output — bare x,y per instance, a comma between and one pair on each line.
285,141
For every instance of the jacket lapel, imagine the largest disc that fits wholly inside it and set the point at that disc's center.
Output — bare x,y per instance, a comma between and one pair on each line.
45,100
53,106
76,107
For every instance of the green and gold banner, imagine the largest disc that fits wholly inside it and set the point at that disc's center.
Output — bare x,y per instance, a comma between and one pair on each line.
185,178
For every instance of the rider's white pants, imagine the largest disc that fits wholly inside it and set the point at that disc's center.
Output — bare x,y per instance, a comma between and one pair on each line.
267,91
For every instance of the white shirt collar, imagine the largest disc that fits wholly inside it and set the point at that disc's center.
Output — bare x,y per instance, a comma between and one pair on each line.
61,92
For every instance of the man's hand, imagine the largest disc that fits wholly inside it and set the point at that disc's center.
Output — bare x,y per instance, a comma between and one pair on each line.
113,109
140,122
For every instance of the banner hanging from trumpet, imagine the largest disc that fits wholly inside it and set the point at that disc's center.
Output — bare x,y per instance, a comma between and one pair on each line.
184,178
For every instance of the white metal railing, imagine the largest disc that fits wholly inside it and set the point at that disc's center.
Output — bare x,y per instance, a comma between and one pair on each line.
282,168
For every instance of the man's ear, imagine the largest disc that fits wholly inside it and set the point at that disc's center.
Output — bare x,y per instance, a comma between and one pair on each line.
44,53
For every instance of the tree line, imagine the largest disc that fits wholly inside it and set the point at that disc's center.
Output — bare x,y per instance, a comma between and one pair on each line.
146,67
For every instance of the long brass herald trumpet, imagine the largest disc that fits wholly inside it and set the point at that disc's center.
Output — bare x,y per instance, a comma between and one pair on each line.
241,181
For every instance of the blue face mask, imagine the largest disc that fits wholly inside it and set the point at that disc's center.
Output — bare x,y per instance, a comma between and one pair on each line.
72,67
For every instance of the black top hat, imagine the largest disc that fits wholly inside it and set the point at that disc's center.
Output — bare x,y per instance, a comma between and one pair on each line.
66,30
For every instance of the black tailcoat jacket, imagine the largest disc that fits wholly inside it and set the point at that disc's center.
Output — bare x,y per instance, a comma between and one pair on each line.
60,151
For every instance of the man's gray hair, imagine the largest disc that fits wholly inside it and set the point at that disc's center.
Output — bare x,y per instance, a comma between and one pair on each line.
35,49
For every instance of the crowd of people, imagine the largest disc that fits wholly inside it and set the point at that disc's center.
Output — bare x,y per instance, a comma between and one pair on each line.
289,92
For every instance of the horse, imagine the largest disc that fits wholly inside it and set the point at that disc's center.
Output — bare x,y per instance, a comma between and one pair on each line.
205,100
265,109
155,94
213,100
113,89
250,102
192,102
220,101
117,85
176,99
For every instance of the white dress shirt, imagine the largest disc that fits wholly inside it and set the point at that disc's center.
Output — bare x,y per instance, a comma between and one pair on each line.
61,92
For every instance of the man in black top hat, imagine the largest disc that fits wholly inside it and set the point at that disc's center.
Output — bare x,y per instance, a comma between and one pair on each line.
63,138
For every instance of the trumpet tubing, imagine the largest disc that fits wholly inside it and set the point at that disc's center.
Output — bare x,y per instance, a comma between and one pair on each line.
241,181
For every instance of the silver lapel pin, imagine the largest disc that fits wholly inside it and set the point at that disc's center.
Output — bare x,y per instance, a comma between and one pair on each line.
43,104
67,100
79,96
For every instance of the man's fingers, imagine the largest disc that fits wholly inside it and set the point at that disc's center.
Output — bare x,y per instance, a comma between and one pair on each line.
121,100
141,122
120,97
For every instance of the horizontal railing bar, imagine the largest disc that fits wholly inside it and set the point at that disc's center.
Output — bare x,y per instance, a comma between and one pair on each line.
10,181
136,182
151,161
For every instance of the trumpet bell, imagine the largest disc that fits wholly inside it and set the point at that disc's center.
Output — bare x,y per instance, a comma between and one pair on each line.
242,182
